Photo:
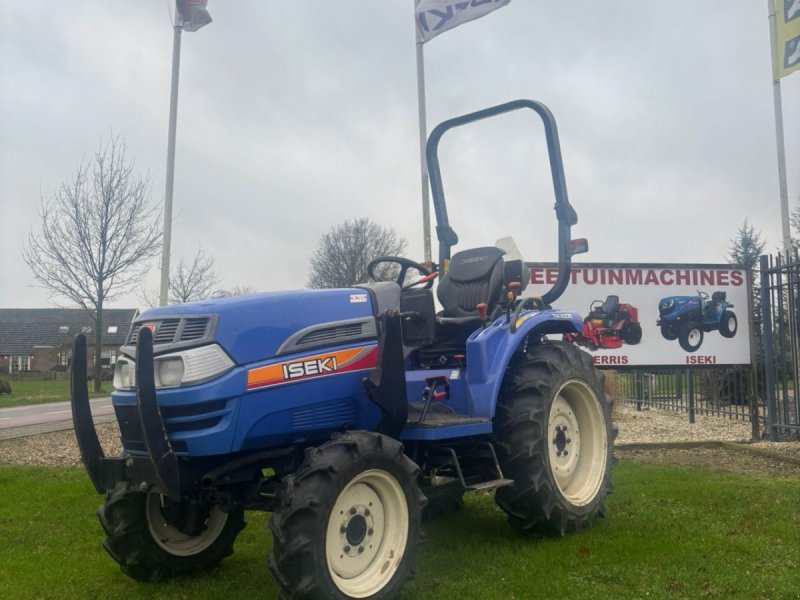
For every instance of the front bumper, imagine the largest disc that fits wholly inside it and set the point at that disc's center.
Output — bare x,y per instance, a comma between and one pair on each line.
160,466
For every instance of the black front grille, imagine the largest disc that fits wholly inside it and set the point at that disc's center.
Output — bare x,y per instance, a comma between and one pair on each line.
173,330
131,430
165,331
193,410
194,329
133,336
195,425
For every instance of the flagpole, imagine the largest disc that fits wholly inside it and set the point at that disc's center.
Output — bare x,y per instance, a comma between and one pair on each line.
778,108
423,138
173,118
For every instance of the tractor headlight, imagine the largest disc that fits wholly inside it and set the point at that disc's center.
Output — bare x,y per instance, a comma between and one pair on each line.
169,371
123,374
187,367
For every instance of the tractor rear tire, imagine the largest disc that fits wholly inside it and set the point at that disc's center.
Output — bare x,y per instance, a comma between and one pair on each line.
554,438
728,324
690,337
349,523
632,334
148,548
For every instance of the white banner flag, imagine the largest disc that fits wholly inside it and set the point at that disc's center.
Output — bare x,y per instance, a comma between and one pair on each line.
437,16
192,14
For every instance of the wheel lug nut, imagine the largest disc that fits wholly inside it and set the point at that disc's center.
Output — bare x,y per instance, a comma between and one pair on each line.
342,529
370,532
565,452
353,510
360,549
569,440
366,512
558,453
347,548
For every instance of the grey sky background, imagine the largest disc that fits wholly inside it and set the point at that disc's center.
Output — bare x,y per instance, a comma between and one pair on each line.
294,116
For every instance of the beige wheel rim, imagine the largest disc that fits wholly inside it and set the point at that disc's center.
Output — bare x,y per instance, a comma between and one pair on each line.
577,444
367,533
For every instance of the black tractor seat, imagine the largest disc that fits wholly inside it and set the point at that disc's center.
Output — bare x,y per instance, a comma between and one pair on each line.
474,277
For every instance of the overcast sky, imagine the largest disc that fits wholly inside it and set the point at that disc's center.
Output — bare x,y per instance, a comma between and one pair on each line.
294,116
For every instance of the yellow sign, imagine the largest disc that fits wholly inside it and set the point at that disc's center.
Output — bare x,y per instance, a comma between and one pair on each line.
787,38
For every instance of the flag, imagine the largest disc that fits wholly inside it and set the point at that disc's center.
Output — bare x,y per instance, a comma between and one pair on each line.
437,16
787,38
192,14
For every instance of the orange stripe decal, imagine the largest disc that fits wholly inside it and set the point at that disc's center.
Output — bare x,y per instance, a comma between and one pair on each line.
310,367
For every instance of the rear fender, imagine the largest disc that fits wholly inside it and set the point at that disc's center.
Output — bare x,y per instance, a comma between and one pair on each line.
490,351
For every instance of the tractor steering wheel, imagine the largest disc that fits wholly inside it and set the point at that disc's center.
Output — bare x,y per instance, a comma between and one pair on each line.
405,264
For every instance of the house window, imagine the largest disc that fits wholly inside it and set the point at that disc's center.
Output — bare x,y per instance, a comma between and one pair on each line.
113,328
65,357
63,329
20,363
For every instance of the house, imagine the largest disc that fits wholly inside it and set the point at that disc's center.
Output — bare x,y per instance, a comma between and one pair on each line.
39,339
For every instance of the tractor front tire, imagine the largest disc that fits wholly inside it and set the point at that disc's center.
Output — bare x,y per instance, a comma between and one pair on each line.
728,324
669,333
554,438
140,537
349,522
690,337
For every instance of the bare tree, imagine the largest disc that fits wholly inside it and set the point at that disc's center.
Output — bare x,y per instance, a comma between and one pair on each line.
193,281
237,290
97,236
341,258
187,282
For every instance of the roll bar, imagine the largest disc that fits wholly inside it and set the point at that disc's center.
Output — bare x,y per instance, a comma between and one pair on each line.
564,212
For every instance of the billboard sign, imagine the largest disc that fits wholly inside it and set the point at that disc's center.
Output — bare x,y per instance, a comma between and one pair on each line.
655,314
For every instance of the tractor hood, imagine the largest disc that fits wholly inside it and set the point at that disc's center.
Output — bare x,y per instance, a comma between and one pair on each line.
672,304
261,326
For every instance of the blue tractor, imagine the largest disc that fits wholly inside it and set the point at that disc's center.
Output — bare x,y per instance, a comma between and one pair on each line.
685,318
344,411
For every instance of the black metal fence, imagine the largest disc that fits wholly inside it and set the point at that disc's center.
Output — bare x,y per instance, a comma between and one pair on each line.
777,343
726,392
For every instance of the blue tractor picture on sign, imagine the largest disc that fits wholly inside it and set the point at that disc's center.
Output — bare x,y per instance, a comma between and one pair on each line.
686,318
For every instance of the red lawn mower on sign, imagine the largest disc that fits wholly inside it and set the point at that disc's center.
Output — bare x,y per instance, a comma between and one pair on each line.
609,325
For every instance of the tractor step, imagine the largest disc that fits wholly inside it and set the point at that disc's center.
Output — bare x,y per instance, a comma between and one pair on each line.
438,416
490,485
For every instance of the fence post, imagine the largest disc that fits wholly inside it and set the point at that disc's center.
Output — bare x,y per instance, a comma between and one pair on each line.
690,394
769,359
637,387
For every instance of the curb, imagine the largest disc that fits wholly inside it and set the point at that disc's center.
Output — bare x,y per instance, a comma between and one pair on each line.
13,433
744,447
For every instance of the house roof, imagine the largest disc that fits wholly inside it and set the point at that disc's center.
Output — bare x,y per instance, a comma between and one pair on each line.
21,329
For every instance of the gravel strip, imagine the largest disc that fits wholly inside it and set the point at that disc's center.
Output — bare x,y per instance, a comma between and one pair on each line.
651,425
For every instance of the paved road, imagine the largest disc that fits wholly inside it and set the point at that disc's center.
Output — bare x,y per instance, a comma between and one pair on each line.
40,418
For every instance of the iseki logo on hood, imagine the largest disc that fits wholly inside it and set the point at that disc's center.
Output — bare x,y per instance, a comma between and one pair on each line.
304,368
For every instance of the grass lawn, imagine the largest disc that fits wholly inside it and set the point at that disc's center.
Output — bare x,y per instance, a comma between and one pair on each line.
40,392
671,533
